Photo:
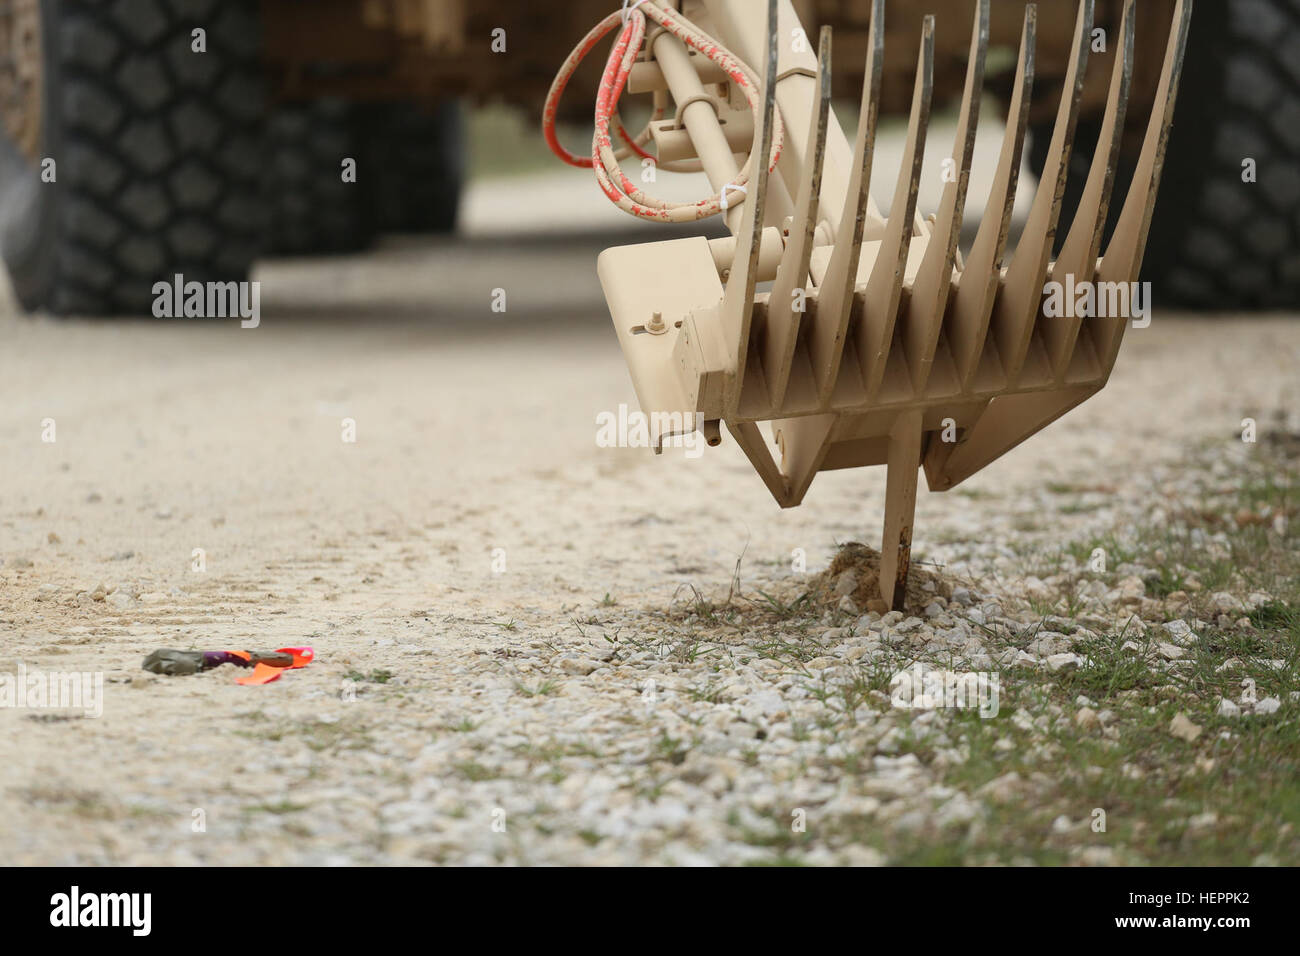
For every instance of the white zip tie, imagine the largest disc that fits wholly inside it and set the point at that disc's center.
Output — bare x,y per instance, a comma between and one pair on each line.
723,198
628,11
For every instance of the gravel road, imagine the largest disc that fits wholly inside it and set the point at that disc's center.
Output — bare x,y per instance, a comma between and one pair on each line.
497,605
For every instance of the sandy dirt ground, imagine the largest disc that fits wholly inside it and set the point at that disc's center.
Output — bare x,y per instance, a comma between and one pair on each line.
473,521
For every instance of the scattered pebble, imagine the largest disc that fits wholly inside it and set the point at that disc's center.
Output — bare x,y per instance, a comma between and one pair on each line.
1183,728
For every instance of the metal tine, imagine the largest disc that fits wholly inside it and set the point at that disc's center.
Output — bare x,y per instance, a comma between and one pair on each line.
933,282
750,439
783,320
977,288
1078,256
1123,259
738,297
906,438
885,287
805,442
1021,295
1011,419
835,292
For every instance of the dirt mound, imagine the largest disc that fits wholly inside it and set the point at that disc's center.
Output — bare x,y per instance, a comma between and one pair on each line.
855,572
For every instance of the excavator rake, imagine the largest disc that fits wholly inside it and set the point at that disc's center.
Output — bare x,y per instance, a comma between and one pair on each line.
876,342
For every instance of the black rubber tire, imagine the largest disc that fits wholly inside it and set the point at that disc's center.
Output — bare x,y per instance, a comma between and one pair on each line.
313,210
415,165
158,153
1216,242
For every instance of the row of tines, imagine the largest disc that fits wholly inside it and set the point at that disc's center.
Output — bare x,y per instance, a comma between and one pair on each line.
950,327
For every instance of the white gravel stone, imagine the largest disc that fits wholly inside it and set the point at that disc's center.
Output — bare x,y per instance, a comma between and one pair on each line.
1181,633
1066,661
1183,728
846,583
1131,590
1225,603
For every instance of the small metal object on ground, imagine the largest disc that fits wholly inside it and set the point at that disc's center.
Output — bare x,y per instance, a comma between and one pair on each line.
266,665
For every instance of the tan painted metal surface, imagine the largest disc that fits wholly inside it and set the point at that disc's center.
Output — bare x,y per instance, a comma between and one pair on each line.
877,344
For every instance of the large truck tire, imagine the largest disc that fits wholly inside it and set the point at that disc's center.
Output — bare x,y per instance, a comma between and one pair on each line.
415,166
313,209
156,151
1218,242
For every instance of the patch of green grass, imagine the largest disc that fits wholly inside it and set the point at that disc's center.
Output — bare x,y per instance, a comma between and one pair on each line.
1061,488
671,749
543,688
277,808
1231,796
1169,579
87,804
710,693
320,735
1275,615
553,751
785,609
373,677
1109,669
475,772
1117,551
